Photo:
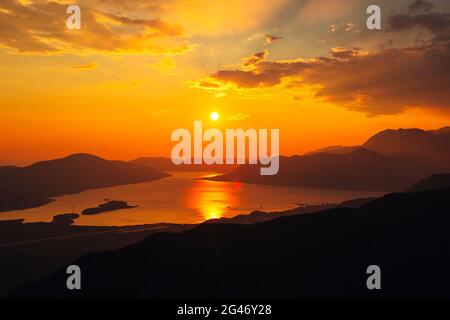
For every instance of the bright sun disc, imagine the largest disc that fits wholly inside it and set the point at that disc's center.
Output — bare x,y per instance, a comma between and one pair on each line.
214,116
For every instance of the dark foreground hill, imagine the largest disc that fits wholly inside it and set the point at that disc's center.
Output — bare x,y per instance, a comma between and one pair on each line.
319,255
31,251
36,184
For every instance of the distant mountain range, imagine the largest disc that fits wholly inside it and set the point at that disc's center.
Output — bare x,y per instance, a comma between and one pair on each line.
359,169
412,142
391,160
35,185
166,164
333,149
432,146
323,255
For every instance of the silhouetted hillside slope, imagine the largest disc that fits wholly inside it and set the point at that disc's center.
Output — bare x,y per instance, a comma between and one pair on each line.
433,145
435,181
7,168
31,251
359,169
333,149
319,255
34,185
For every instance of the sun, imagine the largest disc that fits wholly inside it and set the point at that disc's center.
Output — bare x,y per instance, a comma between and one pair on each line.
214,116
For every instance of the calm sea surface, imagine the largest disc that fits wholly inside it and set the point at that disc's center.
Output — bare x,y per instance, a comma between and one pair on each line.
182,199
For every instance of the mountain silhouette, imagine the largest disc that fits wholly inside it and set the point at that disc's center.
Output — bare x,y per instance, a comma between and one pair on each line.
166,164
391,160
322,255
36,184
333,149
435,181
433,145
359,169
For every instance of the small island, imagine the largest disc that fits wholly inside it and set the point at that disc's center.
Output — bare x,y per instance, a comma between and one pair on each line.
65,218
107,206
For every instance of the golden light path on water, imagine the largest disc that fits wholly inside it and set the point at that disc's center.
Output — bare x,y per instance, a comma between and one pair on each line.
212,199
182,198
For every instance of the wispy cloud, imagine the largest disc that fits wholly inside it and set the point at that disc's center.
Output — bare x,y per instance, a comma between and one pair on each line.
238,117
160,111
342,27
87,66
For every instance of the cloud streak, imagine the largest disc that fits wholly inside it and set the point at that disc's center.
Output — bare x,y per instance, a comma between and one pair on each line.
87,66
238,117
271,38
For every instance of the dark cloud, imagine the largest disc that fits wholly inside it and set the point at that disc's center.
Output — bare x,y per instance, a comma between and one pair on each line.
270,38
382,82
433,22
420,6
437,23
260,73
344,54
255,58
385,81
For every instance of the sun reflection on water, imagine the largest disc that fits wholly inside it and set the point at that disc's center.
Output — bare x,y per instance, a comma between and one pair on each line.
211,200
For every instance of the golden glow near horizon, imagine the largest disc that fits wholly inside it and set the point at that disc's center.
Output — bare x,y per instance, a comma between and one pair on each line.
118,87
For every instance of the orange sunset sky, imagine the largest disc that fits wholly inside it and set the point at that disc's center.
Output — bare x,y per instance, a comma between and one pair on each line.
138,69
